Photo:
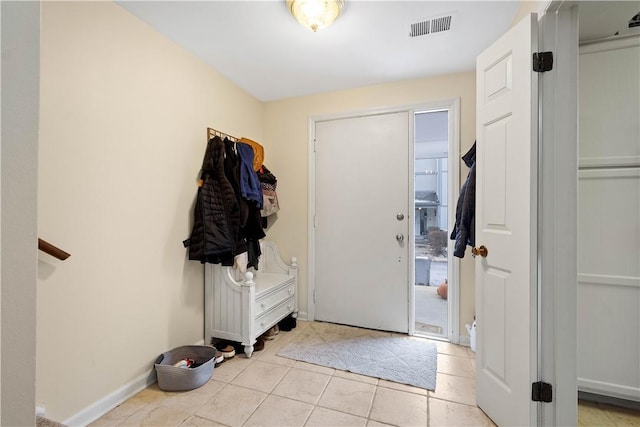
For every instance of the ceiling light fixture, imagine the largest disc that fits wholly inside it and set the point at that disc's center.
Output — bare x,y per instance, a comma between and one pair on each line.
315,14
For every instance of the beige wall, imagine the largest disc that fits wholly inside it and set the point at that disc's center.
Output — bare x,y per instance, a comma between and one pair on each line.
124,113
527,7
286,131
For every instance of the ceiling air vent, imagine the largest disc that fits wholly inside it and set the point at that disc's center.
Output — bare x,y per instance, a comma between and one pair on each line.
420,28
431,26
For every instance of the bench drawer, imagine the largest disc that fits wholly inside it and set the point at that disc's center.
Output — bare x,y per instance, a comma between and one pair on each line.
271,317
274,296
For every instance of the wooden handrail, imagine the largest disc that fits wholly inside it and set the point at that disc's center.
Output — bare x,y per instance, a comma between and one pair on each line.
54,251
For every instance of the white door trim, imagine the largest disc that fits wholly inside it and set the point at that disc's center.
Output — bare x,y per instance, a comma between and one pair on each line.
557,227
453,190
453,104
453,267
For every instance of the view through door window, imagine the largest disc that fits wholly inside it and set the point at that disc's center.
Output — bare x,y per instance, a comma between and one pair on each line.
431,216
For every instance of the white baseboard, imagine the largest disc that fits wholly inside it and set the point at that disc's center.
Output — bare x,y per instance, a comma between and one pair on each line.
107,403
464,340
110,401
609,389
455,339
303,315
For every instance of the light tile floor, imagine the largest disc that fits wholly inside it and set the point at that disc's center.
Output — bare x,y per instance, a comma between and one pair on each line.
269,390
600,414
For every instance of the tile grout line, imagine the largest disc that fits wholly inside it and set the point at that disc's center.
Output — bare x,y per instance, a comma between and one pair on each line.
251,360
270,393
375,393
315,404
323,389
457,376
428,404
602,407
453,401
256,408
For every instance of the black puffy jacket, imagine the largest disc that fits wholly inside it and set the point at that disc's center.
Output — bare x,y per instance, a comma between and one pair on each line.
464,231
217,212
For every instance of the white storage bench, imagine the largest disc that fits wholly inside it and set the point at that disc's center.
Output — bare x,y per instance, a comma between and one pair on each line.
241,307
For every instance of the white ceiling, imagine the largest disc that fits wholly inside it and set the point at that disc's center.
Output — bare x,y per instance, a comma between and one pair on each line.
262,48
600,19
259,45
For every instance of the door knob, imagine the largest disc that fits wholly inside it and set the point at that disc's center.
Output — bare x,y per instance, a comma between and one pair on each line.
482,251
400,216
400,237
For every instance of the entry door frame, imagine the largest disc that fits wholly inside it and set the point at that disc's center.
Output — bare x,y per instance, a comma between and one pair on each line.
453,105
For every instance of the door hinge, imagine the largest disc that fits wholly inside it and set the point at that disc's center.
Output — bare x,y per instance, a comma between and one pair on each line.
542,61
541,392
314,295
314,145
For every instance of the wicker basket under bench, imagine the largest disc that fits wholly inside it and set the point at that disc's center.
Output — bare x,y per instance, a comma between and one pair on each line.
241,307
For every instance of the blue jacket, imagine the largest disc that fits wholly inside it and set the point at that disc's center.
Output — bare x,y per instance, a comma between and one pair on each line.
249,184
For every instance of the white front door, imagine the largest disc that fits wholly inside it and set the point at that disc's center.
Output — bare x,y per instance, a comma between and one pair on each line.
506,216
362,221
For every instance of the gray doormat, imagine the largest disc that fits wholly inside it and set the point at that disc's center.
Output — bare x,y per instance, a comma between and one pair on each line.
404,360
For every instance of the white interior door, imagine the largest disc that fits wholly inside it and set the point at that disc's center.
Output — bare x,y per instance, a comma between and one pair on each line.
362,221
506,215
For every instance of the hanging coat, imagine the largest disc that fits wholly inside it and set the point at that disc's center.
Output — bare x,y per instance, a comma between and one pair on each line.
250,229
268,183
232,172
258,152
464,231
249,184
216,212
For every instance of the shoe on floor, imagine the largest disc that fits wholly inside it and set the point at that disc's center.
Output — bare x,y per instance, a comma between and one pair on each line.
287,324
227,350
218,358
259,345
271,333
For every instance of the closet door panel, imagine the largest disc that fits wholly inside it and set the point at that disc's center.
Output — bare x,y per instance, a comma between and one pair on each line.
609,282
609,103
608,225
608,338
